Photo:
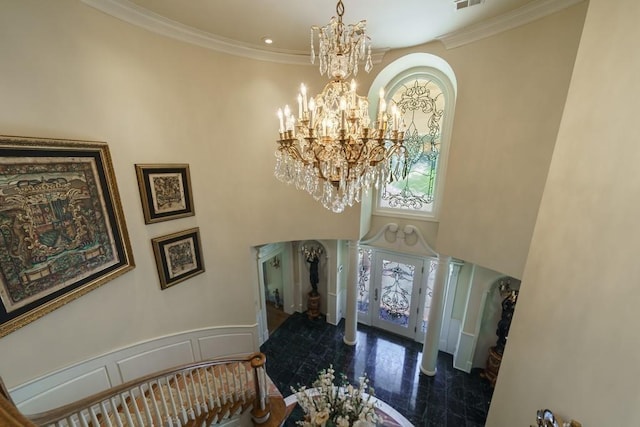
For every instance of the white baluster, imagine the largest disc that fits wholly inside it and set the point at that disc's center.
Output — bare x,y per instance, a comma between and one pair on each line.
196,403
247,381
105,414
93,415
145,405
216,386
125,408
170,390
164,403
210,393
185,419
203,395
154,401
136,409
116,413
83,420
188,394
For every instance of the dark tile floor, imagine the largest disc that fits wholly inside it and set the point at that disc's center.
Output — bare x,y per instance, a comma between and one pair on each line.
300,347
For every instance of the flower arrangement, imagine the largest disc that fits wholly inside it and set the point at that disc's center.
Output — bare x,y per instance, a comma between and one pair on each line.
328,404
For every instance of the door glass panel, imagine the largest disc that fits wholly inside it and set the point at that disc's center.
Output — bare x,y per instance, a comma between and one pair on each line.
428,294
364,279
396,289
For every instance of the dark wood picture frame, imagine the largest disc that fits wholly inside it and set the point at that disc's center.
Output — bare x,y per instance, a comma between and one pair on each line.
165,191
62,228
178,256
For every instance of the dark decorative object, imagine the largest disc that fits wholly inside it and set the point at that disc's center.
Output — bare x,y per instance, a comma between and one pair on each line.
62,229
508,306
165,191
546,418
178,256
275,262
276,297
510,297
312,256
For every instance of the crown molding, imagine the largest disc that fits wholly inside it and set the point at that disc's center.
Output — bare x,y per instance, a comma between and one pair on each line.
130,12
521,16
144,18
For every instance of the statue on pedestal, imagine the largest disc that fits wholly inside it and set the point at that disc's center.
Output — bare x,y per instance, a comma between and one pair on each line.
510,297
312,256
508,306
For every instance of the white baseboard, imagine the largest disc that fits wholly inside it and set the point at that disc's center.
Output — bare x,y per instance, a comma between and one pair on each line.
463,358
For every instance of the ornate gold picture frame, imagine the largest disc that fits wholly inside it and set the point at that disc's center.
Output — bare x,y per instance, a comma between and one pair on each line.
178,256
62,229
165,191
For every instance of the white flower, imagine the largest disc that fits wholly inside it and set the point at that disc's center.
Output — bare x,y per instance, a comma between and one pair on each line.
342,404
321,418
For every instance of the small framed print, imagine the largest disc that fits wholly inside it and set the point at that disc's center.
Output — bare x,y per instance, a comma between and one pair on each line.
165,191
178,256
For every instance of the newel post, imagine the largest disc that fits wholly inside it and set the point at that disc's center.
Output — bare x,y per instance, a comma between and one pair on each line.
261,409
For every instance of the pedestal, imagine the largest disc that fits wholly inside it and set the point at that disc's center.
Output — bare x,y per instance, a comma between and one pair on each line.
313,306
493,366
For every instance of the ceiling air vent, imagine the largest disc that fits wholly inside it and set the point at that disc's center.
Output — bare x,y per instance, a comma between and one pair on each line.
461,4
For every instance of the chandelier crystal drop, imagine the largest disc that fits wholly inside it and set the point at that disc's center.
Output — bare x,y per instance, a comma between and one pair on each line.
331,148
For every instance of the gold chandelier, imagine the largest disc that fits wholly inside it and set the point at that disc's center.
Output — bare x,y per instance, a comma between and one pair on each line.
330,148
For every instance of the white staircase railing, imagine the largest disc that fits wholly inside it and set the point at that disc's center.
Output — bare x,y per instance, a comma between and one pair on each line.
199,394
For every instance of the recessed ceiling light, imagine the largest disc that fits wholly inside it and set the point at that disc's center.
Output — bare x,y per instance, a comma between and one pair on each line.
267,40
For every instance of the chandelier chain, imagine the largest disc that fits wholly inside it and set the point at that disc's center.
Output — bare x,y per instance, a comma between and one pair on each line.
340,9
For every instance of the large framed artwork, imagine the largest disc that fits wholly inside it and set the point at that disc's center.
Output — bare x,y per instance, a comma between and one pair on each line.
62,229
178,256
165,191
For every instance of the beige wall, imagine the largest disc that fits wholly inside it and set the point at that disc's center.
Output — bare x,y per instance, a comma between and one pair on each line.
573,345
69,71
511,92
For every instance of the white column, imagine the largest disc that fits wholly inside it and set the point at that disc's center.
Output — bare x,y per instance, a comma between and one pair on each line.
434,325
351,319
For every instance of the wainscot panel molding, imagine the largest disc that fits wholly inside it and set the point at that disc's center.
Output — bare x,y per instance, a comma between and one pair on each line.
102,372
332,308
152,361
463,358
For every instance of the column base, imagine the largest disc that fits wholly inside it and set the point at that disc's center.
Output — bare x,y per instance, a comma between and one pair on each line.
347,342
429,373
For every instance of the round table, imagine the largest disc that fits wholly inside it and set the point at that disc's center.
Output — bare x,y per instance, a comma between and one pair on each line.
389,417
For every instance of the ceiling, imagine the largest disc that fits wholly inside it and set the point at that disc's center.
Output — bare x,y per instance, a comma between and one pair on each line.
391,24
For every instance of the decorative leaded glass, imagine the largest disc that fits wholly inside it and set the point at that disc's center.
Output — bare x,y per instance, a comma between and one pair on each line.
422,105
397,286
364,278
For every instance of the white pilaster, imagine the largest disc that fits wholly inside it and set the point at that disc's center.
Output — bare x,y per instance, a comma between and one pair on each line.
351,318
434,325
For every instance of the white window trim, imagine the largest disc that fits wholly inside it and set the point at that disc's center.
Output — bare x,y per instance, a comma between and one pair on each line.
417,64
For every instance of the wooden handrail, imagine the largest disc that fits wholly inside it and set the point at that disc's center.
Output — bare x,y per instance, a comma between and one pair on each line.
199,393
9,414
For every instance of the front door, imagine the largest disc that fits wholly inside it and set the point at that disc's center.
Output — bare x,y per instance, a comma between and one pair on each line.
395,293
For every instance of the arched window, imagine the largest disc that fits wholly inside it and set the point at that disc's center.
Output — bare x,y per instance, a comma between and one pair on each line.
423,88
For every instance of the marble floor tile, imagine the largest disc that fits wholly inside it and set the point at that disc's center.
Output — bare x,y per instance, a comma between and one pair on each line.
300,348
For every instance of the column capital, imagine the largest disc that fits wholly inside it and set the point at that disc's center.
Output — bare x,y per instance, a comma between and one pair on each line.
351,244
443,259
